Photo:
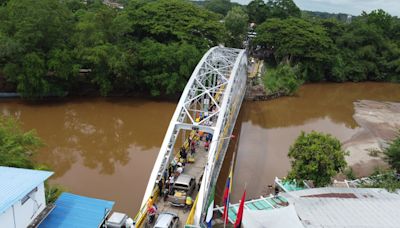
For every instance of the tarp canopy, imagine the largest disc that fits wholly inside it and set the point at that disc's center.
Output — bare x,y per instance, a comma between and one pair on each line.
77,211
278,218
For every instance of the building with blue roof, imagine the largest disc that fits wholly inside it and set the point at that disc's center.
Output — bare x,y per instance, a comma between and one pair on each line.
77,211
22,196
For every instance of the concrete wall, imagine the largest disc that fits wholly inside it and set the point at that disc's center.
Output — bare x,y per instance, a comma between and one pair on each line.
24,213
7,218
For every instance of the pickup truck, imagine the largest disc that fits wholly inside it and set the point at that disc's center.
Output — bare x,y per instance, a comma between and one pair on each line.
183,187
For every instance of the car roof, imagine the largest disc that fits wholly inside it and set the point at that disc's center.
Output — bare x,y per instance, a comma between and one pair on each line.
164,219
183,179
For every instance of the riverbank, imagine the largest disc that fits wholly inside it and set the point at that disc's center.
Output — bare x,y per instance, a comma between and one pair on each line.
379,124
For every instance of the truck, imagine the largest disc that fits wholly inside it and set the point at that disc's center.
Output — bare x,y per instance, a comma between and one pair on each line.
183,187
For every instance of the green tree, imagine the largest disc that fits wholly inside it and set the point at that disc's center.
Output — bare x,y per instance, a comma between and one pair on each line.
219,6
30,31
17,147
257,11
316,157
367,50
170,37
169,21
392,153
165,68
236,24
283,9
297,41
96,48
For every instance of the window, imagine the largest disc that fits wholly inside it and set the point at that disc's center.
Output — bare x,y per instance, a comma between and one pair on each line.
23,200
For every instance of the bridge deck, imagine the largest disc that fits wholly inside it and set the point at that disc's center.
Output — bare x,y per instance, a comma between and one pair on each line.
194,169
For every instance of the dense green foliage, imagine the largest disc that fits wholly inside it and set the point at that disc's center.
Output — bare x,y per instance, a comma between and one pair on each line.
296,41
220,6
392,153
330,50
259,11
151,47
53,47
16,147
316,157
283,80
236,25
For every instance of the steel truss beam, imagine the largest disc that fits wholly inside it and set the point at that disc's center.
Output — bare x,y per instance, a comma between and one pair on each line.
210,102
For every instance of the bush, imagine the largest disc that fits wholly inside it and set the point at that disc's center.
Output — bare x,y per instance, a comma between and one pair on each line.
392,154
383,179
282,79
16,146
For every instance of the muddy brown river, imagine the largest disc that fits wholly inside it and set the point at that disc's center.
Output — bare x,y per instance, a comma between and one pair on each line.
106,148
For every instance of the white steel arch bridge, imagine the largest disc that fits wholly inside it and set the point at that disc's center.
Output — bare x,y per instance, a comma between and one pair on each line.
210,103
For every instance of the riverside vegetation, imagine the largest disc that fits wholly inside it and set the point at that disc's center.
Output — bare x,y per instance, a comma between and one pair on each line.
151,47
366,48
318,157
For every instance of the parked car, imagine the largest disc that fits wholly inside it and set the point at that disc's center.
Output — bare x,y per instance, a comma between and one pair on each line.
183,187
167,220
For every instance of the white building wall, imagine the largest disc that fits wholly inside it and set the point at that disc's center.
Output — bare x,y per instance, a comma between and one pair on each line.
25,213
7,218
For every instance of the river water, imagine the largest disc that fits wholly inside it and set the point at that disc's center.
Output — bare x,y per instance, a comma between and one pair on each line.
106,148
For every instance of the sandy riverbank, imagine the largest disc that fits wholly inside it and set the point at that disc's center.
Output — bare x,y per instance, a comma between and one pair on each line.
379,123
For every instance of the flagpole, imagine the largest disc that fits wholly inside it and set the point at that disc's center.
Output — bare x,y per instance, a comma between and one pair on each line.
230,186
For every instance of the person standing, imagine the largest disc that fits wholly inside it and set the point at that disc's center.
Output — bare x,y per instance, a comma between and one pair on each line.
171,183
150,202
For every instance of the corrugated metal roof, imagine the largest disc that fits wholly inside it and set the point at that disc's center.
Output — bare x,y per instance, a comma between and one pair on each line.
77,211
370,207
261,204
284,217
15,183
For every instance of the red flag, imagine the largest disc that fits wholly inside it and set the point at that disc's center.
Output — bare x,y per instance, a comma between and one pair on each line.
226,197
238,222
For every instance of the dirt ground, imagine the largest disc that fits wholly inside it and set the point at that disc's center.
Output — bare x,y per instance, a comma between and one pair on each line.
380,123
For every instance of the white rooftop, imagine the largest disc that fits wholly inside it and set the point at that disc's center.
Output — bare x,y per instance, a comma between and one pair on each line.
346,207
15,183
283,217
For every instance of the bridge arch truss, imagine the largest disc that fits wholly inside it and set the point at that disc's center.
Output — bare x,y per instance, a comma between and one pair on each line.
210,103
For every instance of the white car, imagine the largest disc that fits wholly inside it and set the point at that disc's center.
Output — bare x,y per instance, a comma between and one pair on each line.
167,220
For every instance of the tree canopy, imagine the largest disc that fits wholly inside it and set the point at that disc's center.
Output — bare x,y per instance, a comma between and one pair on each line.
220,6
259,11
54,47
236,24
51,48
316,157
330,50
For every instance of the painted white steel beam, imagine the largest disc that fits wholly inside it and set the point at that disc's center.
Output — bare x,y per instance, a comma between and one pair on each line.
215,87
